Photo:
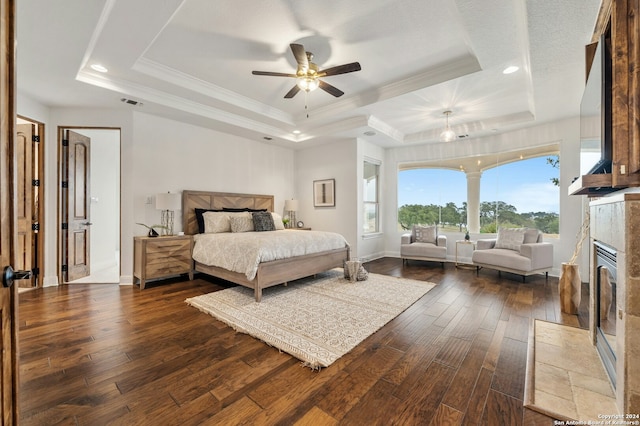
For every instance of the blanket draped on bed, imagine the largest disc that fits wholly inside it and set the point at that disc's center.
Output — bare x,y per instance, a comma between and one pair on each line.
242,251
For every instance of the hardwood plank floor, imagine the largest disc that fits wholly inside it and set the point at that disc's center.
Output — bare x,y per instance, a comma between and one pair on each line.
93,354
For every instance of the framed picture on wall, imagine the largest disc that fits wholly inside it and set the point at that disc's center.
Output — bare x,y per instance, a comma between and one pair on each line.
324,193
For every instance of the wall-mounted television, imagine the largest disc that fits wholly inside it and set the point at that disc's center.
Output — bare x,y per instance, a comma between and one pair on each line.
595,114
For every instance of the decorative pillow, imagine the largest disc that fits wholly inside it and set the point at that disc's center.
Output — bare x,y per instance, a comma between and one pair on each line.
277,221
510,238
426,234
241,223
263,221
200,219
531,236
216,222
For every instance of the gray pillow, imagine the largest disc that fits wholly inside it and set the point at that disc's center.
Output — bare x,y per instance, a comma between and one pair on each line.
241,223
531,236
263,221
510,238
426,234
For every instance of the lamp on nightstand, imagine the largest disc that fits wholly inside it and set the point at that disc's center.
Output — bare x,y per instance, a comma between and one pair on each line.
291,206
168,203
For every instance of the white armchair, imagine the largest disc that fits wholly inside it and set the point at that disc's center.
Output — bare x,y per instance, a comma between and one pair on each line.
423,243
516,250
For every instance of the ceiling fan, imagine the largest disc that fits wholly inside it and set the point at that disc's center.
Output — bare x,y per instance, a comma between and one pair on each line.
308,74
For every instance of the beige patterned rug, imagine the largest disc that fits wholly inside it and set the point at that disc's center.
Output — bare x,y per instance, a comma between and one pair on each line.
317,320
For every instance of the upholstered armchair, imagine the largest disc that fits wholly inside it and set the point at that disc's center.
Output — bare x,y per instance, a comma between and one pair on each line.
423,243
517,250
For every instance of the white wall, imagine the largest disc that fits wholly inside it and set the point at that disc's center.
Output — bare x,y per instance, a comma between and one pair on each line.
173,156
331,161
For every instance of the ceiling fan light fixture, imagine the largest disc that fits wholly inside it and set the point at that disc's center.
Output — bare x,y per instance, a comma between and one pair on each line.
447,135
308,84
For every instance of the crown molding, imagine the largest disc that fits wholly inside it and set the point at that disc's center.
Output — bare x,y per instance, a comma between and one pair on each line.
188,82
449,70
182,104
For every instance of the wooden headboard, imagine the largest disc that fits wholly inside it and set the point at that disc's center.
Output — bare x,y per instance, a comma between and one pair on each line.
217,200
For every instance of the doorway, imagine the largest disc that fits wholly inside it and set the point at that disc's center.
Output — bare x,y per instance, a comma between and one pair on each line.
99,172
30,200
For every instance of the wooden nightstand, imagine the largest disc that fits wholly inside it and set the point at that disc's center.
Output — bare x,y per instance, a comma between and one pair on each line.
161,257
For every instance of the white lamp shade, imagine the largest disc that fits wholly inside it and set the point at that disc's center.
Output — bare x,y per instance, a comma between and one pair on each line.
168,201
291,205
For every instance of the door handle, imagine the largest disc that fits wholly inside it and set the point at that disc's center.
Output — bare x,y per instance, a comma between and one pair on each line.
9,275
87,223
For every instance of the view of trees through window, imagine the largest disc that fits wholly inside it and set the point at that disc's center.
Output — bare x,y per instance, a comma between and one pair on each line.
518,194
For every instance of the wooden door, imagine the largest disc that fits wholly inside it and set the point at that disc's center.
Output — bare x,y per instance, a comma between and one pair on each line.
8,295
24,200
78,163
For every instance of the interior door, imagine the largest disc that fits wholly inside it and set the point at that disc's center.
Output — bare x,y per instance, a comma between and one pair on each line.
76,205
8,295
24,201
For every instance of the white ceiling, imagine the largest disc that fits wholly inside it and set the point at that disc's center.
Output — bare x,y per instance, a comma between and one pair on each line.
192,60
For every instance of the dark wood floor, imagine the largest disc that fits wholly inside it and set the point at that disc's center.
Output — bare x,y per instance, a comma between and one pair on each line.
108,354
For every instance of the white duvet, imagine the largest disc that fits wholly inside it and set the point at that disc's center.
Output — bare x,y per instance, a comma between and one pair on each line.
243,251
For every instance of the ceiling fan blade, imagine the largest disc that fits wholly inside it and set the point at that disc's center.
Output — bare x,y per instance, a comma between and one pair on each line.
273,74
291,93
332,90
340,69
301,55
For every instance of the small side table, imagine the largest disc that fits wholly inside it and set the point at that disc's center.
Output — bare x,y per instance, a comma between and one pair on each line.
161,257
464,265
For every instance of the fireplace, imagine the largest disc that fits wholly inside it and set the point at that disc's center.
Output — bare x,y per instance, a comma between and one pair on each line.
614,299
605,312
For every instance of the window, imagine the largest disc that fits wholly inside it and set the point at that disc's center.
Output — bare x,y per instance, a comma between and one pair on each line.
520,194
432,196
514,192
370,196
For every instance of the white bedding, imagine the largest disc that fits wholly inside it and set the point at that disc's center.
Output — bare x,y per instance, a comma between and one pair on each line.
243,251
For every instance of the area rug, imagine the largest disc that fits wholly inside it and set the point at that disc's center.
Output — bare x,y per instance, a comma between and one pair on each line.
317,320
565,378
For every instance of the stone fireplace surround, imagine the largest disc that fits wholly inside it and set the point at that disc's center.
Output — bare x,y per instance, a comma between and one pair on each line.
615,221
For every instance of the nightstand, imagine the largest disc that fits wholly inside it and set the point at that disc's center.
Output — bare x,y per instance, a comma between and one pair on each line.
161,257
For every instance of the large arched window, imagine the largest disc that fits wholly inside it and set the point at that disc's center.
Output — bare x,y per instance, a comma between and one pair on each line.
520,194
513,192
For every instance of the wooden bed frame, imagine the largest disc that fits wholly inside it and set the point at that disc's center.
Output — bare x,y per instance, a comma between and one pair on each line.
269,273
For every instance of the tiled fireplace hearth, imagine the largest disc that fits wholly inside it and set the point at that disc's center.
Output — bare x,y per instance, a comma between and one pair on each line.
615,224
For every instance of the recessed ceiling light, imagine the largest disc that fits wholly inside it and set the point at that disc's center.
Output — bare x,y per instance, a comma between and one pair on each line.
510,70
99,68
296,132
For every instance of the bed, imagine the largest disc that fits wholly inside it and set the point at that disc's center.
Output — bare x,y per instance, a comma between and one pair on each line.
269,273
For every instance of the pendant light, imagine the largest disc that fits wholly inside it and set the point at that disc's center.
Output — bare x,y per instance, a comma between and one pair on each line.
447,135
